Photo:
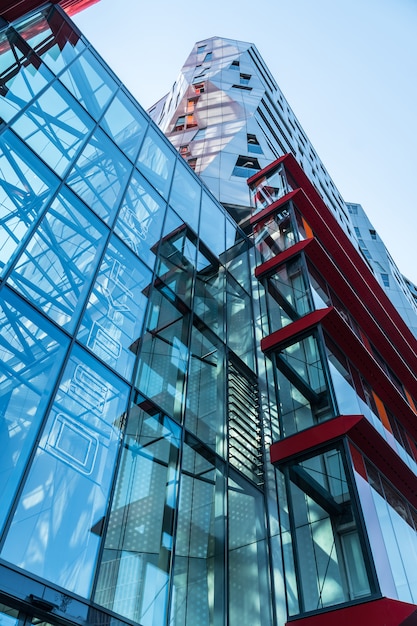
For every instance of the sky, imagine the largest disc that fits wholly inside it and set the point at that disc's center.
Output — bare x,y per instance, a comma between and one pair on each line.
348,69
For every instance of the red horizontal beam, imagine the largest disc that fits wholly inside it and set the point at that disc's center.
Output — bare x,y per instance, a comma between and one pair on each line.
11,10
382,612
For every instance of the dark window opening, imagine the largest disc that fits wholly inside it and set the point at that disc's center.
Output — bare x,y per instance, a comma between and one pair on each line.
246,166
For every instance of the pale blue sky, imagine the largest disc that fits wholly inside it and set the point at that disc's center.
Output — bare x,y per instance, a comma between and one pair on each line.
348,69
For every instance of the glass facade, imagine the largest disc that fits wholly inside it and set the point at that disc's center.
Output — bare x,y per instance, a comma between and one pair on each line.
128,355
139,398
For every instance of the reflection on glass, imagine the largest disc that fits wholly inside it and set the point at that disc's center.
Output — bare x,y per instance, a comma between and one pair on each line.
287,295
185,195
31,352
52,37
303,389
139,222
325,533
248,562
164,352
134,569
274,234
22,76
55,126
125,124
198,576
236,260
239,322
60,258
100,175
177,257
156,162
26,185
56,529
89,82
205,389
209,294
113,319
212,225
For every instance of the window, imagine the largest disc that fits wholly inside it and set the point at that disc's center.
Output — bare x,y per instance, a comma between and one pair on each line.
191,102
192,163
253,144
183,122
244,79
208,57
235,65
199,88
180,123
372,232
184,150
201,49
246,166
385,280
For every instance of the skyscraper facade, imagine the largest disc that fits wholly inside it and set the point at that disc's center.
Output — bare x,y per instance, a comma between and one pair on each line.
207,401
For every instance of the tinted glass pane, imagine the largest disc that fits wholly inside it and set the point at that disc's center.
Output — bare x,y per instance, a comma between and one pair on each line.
58,263
134,570
156,162
31,352
164,353
21,75
212,225
52,37
113,319
139,222
198,576
56,529
205,390
125,124
239,322
55,127
90,83
100,176
185,195
248,565
25,188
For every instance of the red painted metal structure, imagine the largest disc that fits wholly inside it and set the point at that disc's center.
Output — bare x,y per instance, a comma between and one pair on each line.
330,250
13,9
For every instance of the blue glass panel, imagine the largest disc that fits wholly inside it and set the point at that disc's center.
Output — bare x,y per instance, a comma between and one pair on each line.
185,195
177,257
58,263
140,219
55,127
100,176
135,566
113,319
212,225
90,82
31,352
22,76
52,37
55,532
125,124
156,161
25,188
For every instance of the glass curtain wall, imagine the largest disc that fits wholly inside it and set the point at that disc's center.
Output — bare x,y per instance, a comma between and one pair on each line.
125,296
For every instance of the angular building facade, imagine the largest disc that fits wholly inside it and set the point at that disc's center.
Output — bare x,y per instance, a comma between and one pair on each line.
208,402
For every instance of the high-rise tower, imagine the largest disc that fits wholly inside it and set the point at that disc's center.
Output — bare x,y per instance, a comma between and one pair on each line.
208,413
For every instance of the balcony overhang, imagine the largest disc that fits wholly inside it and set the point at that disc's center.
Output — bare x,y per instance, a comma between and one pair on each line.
359,431
333,323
